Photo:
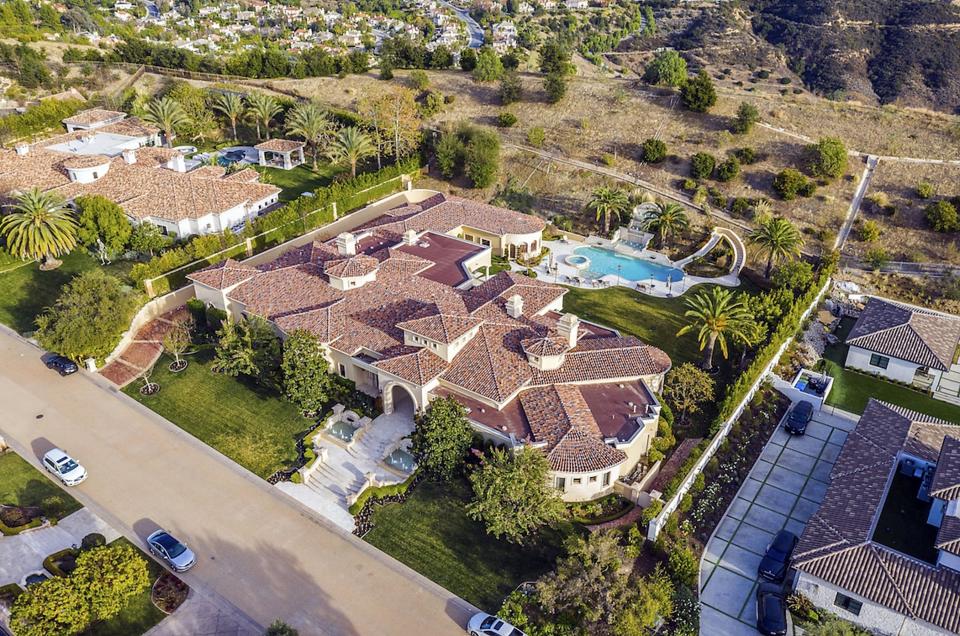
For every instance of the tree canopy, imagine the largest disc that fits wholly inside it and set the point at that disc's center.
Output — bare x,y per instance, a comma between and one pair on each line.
102,219
306,371
699,94
441,438
666,69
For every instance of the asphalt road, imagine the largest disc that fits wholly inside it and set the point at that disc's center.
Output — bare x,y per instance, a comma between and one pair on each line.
257,549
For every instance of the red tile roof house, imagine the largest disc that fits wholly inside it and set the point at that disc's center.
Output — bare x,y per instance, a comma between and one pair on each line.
894,460
908,344
401,314
115,156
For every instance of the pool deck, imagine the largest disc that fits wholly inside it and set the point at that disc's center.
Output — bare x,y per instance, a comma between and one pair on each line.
566,274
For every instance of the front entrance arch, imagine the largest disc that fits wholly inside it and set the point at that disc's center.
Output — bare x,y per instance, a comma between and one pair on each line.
397,397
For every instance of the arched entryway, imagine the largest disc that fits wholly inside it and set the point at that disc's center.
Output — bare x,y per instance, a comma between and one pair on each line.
397,397
513,251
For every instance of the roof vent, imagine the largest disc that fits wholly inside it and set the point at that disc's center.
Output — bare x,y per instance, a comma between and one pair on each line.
130,156
515,306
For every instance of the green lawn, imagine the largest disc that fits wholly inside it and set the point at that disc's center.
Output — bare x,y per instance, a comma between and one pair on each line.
139,614
254,427
432,534
903,521
23,485
299,180
26,291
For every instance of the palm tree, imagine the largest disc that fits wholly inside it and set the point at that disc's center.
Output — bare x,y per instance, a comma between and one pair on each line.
308,120
350,145
166,114
39,228
230,105
262,108
607,202
779,239
666,220
716,315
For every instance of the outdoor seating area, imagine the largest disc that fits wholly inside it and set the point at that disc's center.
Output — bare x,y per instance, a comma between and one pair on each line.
280,153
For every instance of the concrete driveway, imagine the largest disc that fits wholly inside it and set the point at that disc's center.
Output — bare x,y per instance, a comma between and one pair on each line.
783,490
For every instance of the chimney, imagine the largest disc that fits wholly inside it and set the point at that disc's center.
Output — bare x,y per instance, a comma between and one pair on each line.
22,149
130,156
410,237
347,244
178,163
515,306
569,327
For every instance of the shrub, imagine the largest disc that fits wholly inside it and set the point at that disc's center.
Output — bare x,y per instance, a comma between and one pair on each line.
942,216
925,190
702,165
536,136
482,159
682,564
689,185
877,258
788,183
742,207
650,512
746,155
666,69
92,540
654,151
828,158
506,120
511,89
728,170
419,79
555,85
869,231
747,116
698,94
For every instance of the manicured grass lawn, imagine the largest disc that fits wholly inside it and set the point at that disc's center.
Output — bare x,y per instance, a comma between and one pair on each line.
903,521
432,534
852,389
23,485
254,427
299,180
26,291
140,614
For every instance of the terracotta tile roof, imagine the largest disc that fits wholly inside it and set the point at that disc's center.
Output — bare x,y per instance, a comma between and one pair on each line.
245,175
946,479
208,172
443,328
286,291
546,346
223,275
359,265
837,544
561,418
280,145
909,333
414,364
324,322
130,127
948,537
93,116
606,358
78,162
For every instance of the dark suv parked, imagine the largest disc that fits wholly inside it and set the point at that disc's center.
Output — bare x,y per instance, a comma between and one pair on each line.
775,562
771,610
798,418
62,365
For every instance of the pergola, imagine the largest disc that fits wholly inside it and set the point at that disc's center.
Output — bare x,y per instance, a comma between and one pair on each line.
280,153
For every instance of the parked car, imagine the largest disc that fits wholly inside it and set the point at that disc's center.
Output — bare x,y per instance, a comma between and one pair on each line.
62,365
771,610
483,624
798,418
64,467
776,561
177,555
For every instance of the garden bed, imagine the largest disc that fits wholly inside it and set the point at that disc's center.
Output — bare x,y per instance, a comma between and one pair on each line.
600,510
61,563
169,593
23,486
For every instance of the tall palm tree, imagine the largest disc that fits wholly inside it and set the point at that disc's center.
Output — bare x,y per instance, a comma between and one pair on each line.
262,108
309,121
166,114
716,315
350,145
39,228
231,106
608,202
665,220
779,239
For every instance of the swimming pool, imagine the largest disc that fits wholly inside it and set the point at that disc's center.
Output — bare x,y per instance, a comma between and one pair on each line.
604,262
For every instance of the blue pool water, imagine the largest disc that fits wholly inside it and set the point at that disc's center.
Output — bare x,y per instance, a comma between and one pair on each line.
604,262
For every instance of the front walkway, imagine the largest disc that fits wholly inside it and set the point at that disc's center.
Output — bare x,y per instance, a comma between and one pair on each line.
783,490
142,353
206,615
344,473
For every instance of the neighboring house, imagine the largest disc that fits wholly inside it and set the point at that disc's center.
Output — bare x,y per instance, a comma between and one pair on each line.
117,158
401,313
895,488
907,344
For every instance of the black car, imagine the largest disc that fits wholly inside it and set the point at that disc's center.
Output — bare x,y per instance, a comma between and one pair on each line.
62,365
771,610
798,418
776,561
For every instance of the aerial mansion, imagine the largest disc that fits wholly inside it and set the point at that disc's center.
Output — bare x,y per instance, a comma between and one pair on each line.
403,310
106,153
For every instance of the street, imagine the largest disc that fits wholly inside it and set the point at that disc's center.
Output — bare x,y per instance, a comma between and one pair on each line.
263,553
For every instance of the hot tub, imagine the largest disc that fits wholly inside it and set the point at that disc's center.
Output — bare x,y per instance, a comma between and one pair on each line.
577,260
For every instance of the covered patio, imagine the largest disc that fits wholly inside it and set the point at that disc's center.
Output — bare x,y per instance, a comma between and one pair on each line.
280,153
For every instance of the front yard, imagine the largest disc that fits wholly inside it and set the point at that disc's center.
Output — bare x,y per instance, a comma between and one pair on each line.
253,427
23,485
432,534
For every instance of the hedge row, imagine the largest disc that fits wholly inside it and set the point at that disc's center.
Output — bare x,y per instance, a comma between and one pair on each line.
45,116
380,492
736,392
169,270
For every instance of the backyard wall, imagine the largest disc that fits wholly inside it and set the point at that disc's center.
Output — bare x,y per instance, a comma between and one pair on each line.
156,307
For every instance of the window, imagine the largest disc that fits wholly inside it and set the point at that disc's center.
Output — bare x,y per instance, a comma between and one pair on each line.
845,602
606,478
562,484
484,242
593,478
577,480
468,237
879,361
343,370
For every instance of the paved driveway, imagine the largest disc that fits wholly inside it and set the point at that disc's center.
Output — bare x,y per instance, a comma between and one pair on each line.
784,488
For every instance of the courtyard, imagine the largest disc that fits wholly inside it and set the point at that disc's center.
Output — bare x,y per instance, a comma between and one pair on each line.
783,490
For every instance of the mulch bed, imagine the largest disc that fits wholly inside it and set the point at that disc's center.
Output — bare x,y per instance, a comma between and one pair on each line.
169,593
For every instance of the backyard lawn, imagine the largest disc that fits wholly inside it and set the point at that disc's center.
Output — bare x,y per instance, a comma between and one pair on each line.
250,425
23,485
137,616
432,534
26,291
299,180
